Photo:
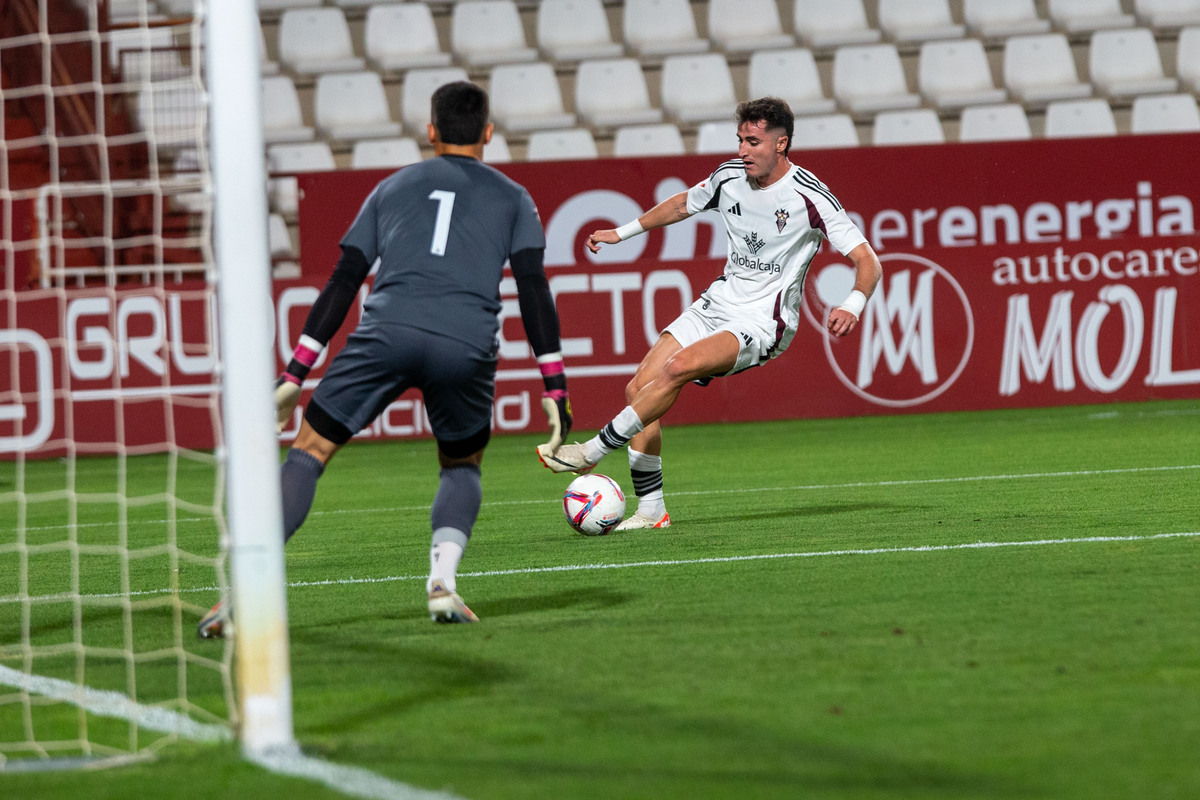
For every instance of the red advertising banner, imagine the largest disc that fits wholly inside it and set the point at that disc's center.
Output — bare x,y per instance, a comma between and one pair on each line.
1019,274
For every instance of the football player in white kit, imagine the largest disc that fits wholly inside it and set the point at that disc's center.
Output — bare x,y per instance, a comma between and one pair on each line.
777,215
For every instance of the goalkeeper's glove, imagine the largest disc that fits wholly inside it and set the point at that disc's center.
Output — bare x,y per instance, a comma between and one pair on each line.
555,401
289,384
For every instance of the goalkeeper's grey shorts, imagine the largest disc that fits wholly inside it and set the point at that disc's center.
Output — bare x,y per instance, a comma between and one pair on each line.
380,362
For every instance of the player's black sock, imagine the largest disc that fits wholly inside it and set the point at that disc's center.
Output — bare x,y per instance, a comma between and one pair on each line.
459,496
298,478
646,481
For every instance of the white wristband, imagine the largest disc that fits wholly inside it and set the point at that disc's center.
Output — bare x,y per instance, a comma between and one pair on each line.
629,230
854,303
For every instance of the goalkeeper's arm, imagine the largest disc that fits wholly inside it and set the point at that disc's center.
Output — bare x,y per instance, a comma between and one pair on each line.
326,316
540,319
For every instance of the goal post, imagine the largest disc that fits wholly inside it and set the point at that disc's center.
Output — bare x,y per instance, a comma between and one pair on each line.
254,505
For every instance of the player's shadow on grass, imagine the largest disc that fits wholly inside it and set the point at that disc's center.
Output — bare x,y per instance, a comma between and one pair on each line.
596,598
827,510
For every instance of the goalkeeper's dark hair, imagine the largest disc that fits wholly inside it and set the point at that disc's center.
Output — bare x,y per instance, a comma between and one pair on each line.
459,112
775,112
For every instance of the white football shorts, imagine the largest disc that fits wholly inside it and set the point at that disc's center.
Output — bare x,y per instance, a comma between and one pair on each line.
759,339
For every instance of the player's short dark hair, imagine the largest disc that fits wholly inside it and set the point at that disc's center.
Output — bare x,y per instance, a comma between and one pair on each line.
459,112
775,112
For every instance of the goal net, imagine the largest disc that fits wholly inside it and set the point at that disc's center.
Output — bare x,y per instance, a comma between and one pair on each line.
117,507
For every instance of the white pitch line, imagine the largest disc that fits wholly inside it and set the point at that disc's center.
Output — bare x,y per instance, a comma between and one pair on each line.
348,780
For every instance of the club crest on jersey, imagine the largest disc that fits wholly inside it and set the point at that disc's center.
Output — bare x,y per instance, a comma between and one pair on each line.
781,218
753,242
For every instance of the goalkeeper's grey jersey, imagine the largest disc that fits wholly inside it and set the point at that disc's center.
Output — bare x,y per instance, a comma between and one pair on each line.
442,230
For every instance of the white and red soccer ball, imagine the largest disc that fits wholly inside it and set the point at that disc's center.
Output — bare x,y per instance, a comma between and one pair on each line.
594,504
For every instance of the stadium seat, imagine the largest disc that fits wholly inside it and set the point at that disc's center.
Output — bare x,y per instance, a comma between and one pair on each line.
284,160
821,24
167,113
1040,68
657,28
870,78
1084,16
316,40
402,36
283,254
1168,14
999,19
918,126
272,6
697,88
484,33
912,21
1187,58
564,145
994,123
134,52
282,121
1125,63
953,74
352,105
717,137
526,97
824,132
385,153
265,66
792,75
663,139
496,151
1076,118
572,30
1165,113
612,92
742,26
419,85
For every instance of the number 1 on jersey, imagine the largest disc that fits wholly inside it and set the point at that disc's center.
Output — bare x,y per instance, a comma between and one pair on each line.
441,226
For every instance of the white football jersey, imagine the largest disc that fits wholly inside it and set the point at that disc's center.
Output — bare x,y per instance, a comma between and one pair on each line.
773,235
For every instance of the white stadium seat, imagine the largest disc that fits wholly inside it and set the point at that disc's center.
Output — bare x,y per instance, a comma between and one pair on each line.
283,254
821,24
572,30
612,92
870,78
697,88
994,123
316,40
402,36
526,97
1125,63
1165,113
953,74
419,85
663,139
496,151
484,33
269,6
282,121
919,126
999,19
741,26
266,66
353,105
655,28
918,20
1167,14
1076,118
717,137
1084,16
385,153
1040,68
563,145
824,132
792,75
1187,58
286,159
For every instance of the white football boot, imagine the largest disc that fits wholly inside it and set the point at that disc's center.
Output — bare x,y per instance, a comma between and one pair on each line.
640,520
447,606
567,458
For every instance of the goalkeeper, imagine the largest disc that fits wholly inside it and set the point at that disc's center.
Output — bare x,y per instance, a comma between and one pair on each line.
442,230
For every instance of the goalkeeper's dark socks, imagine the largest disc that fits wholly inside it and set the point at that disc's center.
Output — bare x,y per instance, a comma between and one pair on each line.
298,482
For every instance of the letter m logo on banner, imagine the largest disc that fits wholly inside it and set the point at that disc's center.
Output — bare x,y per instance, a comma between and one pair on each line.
899,310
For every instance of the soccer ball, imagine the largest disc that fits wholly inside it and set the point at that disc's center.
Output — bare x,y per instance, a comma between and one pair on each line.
593,504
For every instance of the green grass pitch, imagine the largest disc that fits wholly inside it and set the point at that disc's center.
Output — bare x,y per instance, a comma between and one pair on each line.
814,625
